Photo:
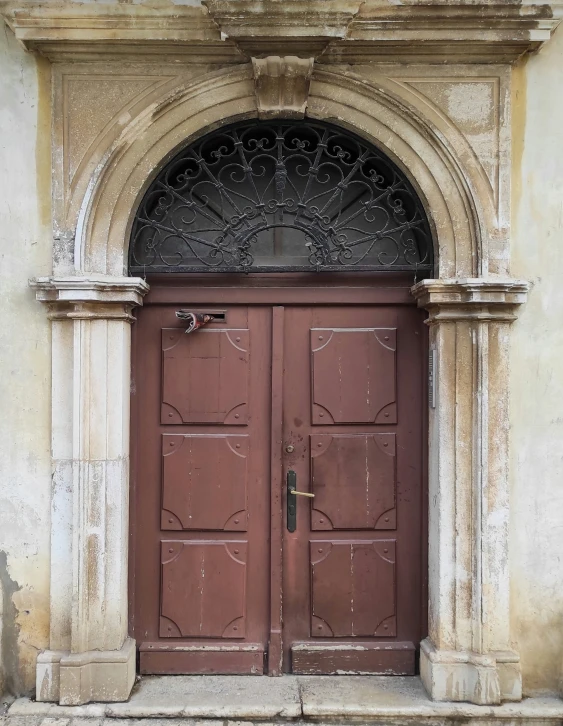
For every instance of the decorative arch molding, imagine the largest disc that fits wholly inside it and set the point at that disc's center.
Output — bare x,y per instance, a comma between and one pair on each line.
437,160
468,654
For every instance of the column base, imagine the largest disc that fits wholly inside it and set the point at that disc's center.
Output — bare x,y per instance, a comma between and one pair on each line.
74,679
450,675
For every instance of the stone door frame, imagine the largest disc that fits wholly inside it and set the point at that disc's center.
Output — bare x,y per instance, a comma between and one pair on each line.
469,654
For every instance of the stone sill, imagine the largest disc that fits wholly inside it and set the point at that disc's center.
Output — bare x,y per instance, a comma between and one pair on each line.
393,700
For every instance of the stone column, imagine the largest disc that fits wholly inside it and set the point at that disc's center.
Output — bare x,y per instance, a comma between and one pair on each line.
468,655
91,656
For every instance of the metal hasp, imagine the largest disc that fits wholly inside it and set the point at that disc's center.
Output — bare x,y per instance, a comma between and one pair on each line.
280,196
194,320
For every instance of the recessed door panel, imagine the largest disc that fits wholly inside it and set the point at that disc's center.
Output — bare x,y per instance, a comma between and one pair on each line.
204,482
205,376
353,374
203,589
354,481
353,588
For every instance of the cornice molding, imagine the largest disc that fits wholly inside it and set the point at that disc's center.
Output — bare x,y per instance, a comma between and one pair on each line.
332,30
471,299
87,298
66,31
64,19
470,32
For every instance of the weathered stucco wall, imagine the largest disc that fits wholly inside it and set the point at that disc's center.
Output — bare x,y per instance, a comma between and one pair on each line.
25,251
537,371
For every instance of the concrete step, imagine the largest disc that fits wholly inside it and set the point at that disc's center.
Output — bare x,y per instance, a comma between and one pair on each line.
241,700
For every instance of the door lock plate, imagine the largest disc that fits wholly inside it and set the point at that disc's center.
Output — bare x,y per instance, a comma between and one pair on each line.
291,501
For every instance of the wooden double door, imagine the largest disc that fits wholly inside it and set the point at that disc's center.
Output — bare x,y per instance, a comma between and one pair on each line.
278,487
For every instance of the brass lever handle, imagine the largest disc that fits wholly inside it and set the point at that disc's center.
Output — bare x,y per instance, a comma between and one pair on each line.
301,494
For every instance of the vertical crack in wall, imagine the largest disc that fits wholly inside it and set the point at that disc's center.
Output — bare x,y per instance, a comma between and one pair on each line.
10,680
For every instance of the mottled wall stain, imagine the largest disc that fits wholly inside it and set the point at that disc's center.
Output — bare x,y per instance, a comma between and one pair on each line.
43,147
9,650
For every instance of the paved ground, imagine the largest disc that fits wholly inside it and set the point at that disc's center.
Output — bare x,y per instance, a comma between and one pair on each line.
90,721
240,701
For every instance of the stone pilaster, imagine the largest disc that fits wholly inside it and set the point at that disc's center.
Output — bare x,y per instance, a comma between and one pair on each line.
91,658
468,654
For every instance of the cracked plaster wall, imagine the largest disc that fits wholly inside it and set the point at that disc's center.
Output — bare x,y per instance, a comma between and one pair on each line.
25,250
536,536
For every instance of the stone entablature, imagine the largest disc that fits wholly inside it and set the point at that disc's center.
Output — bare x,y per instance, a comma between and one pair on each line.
340,31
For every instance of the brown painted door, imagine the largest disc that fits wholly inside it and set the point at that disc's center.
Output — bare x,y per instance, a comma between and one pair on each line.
332,393
352,433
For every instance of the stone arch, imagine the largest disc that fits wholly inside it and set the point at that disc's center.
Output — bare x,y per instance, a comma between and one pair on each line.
447,187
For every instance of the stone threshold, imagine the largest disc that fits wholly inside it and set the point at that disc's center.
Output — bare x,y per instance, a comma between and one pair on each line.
373,699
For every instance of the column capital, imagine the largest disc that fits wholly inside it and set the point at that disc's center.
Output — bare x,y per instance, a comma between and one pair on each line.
90,297
479,299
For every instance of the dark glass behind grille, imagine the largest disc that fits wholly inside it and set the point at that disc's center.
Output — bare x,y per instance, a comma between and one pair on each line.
280,196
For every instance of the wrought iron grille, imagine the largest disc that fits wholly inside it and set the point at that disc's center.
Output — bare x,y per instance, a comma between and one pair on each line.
280,196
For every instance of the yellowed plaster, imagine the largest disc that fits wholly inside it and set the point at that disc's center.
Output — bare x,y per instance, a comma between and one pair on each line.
25,465
536,383
43,146
518,93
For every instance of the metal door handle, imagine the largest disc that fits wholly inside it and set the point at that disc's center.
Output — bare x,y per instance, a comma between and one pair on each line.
291,501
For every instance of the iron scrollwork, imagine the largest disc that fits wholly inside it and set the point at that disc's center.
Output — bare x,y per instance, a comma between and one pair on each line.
280,196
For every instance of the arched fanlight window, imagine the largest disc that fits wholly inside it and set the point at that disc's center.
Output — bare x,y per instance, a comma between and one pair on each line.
280,196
